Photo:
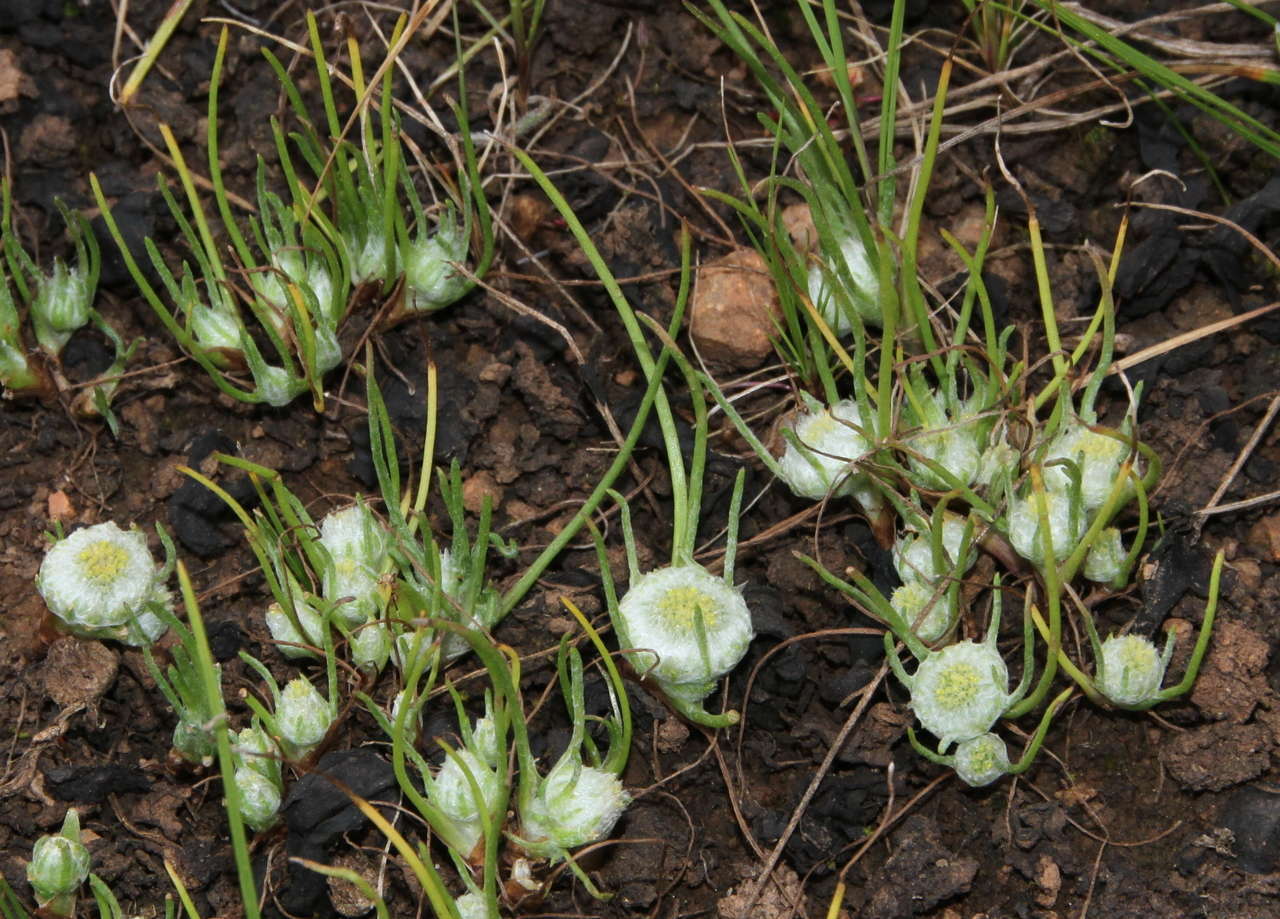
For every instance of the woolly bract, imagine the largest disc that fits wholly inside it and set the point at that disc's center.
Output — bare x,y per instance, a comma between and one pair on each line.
99,579
430,281
660,616
1130,670
282,629
960,691
865,294
829,441
575,805
981,760
259,798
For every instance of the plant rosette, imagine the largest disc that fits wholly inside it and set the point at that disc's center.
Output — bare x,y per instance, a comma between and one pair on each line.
101,582
686,629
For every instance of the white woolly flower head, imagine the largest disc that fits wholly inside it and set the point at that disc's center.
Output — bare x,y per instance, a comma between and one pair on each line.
913,552
981,760
99,579
1098,456
357,546
575,805
1130,669
910,600
257,751
960,691
453,794
865,295
59,865
661,613
371,646
302,715
1067,525
829,441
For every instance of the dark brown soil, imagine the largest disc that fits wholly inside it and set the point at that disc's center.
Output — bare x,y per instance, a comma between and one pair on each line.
1125,815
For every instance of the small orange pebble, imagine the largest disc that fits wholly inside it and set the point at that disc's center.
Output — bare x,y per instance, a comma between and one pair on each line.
60,506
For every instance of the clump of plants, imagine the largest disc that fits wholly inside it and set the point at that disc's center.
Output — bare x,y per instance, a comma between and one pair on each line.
950,446
265,324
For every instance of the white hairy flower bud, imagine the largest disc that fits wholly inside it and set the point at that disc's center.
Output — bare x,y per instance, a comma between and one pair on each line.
59,865
303,716
981,760
913,553
61,306
1066,526
430,281
282,629
661,617
1106,559
357,545
829,440
910,600
453,794
1098,456
1130,669
371,646
259,798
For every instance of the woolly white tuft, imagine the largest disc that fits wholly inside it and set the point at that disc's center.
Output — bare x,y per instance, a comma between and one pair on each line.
358,547
1098,456
453,794
1130,670
575,805
302,715
1024,526
865,295
659,614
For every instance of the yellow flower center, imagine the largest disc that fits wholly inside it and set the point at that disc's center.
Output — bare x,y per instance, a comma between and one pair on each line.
957,686
103,561
982,758
819,428
680,606
1137,655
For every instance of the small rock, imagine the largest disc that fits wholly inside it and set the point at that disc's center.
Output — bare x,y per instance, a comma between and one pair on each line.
1216,756
1232,681
13,82
1265,537
60,506
78,672
734,309
47,137
783,895
1049,880
477,488
798,221
1252,814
